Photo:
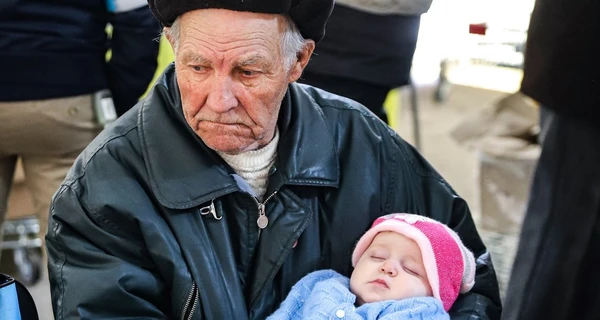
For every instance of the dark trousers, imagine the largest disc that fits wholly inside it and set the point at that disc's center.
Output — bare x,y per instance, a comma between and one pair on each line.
556,273
370,95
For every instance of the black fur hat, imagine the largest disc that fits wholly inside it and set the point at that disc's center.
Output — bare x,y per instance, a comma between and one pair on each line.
310,15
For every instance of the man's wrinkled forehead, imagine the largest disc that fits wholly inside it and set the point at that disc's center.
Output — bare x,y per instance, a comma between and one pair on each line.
223,31
250,60
224,20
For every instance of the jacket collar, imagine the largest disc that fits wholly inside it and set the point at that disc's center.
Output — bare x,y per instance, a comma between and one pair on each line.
184,172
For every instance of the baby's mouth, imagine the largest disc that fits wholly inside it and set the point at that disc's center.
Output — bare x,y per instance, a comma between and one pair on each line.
380,282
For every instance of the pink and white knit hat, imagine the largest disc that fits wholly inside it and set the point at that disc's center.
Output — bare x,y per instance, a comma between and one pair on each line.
449,265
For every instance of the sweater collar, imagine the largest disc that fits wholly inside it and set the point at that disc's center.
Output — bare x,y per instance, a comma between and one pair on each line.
185,173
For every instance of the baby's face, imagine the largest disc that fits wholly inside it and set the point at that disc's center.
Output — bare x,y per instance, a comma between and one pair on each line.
390,269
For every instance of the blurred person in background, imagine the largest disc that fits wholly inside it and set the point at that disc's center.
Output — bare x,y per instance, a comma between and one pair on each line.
229,182
368,50
555,273
52,61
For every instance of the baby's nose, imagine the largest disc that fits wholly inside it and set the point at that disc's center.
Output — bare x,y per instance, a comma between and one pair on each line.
390,268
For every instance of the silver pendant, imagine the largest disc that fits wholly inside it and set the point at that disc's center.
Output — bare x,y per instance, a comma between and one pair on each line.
262,222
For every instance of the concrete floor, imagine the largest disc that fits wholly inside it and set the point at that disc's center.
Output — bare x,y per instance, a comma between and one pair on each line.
454,162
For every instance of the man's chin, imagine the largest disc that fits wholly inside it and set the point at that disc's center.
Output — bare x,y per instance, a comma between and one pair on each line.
230,147
227,150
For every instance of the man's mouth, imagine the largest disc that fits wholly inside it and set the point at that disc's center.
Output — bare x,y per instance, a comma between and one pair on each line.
216,124
380,282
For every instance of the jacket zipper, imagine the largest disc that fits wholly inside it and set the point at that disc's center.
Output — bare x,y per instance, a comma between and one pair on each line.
262,220
187,310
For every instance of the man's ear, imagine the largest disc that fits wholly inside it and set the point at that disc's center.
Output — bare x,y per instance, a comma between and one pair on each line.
302,60
169,36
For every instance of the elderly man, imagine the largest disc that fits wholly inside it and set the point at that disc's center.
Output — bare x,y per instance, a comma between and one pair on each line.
230,182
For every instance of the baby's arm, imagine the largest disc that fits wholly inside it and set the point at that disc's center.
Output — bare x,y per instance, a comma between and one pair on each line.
330,299
307,293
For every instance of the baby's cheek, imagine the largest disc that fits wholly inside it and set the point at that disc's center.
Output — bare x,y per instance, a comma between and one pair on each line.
355,288
422,288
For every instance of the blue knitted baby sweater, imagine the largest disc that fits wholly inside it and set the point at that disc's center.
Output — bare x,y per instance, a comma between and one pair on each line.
325,294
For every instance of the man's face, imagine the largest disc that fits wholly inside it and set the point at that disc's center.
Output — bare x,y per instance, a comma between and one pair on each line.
390,269
232,77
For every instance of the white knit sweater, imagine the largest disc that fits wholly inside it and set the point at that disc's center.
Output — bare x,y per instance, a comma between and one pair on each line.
254,165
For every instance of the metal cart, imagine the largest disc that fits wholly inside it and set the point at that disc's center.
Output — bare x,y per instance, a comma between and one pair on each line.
490,34
20,237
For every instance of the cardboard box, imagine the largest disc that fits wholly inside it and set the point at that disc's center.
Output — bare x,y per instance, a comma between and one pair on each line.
503,136
505,168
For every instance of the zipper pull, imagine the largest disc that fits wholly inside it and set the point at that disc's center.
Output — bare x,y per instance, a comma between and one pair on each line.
262,220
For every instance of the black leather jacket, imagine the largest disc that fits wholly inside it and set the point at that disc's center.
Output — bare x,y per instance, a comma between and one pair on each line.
150,222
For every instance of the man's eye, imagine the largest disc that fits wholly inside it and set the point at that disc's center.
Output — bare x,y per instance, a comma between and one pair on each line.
248,73
198,68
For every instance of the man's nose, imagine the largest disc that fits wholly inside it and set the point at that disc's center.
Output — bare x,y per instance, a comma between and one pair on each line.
390,268
221,97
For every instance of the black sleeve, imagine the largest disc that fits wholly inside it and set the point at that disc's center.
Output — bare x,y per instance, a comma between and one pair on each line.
134,45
